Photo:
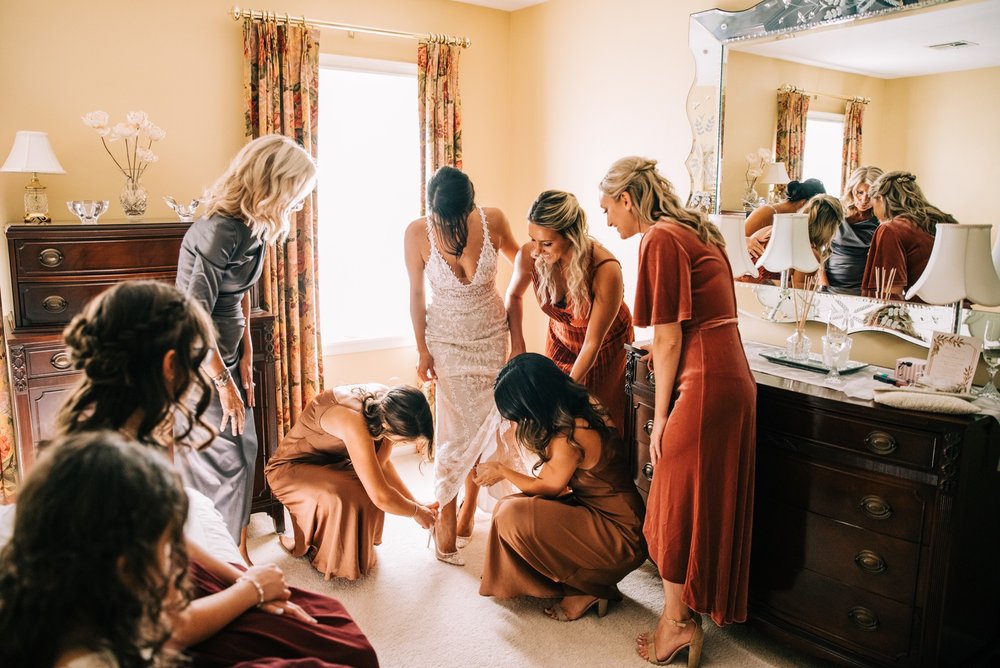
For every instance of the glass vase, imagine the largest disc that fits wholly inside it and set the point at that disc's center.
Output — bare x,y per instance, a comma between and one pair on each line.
751,200
797,346
133,199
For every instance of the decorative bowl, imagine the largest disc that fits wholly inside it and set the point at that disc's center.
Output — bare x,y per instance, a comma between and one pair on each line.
87,210
185,212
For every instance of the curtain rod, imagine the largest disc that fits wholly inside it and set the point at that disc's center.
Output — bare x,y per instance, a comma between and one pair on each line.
789,88
433,38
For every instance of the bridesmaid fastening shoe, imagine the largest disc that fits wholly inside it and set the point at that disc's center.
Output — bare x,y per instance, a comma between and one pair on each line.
453,558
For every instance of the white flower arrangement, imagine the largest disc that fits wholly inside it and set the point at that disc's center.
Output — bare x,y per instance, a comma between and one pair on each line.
134,132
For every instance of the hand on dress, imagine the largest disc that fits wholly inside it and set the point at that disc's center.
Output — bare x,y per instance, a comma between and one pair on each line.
246,371
425,367
290,609
655,438
233,410
757,242
426,515
488,473
272,581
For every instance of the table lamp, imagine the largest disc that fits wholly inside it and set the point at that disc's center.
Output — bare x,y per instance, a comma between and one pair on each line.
787,249
732,228
32,154
776,177
959,268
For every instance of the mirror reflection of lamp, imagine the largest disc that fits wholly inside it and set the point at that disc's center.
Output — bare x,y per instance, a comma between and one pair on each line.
732,228
32,154
788,249
776,178
960,267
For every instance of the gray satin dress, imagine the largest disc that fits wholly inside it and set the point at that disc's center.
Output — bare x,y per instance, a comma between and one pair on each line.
219,262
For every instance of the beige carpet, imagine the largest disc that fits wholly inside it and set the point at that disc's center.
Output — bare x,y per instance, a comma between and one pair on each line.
421,613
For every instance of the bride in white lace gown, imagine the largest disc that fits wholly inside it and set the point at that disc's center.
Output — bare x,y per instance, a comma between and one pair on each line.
462,336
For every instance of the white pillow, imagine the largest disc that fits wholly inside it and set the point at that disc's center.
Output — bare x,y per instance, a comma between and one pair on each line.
206,527
918,401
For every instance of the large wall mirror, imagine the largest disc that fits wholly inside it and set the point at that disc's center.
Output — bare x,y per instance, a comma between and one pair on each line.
931,72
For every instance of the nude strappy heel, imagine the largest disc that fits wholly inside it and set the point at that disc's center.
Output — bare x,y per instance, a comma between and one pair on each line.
693,646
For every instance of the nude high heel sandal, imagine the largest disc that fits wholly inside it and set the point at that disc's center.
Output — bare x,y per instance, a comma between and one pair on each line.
693,646
453,558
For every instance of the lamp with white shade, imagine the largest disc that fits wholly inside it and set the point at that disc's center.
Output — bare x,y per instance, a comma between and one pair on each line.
32,154
960,267
787,249
776,176
732,227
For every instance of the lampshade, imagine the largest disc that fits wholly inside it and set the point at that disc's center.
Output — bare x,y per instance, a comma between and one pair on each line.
996,255
774,172
31,152
789,246
960,267
732,228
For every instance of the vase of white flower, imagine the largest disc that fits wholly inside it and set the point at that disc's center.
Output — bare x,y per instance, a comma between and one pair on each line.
137,134
755,167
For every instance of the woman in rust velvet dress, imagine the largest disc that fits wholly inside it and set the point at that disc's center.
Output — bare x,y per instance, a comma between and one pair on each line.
546,543
578,284
700,505
905,237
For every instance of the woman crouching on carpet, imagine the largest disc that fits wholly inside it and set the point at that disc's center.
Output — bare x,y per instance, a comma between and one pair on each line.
140,346
334,474
551,542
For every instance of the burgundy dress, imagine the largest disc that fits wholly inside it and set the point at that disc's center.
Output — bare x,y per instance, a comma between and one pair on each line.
606,379
700,506
898,244
258,638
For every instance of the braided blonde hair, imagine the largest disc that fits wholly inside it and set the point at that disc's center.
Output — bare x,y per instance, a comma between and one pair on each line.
903,197
561,212
654,197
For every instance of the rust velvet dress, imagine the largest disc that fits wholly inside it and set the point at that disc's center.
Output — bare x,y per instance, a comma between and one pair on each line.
584,543
700,506
606,379
898,244
331,512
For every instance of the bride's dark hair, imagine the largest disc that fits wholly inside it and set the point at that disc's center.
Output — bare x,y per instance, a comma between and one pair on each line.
451,198
119,342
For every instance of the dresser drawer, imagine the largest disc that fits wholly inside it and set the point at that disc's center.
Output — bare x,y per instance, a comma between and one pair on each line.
851,618
643,471
48,360
885,505
44,257
856,557
55,303
883,441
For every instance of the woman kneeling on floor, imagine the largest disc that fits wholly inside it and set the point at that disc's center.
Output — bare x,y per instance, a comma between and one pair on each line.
550,541
334,474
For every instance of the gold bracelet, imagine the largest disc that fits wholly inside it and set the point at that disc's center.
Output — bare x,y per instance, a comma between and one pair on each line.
260,589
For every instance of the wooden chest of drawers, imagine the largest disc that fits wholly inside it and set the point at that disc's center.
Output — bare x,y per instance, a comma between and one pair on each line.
876,538
55,271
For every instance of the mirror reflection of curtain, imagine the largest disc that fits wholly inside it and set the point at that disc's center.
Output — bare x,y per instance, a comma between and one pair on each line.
790,138
281,81
440,111
853,115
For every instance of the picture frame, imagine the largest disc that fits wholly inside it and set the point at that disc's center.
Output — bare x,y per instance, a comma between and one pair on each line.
951,362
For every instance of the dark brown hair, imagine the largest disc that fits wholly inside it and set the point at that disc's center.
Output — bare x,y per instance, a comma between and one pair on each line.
451,198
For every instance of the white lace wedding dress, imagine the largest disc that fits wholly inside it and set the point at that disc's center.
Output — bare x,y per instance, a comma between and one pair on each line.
467,335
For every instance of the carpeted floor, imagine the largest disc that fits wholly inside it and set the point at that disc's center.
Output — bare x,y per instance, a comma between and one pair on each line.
421,613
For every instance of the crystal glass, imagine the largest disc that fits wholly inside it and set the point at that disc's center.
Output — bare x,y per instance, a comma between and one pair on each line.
185,212
133,199
836,353
87,210
797,346
991,355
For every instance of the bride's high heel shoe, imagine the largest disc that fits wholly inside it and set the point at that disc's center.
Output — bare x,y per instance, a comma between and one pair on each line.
453,558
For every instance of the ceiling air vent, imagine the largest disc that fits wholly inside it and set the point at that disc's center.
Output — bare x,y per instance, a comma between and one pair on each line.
960,44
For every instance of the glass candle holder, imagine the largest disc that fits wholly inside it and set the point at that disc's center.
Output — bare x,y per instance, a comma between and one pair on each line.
797,346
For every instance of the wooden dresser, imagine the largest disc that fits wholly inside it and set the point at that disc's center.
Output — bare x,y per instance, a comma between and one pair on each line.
876,538
54,271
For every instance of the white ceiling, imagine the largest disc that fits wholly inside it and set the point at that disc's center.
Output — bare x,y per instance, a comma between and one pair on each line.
898,47
507,5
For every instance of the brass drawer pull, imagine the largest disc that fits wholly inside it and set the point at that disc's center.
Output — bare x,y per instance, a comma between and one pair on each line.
647,470
863,618
60,361
648,427
880,443
50,257
651,379
875,507
55,304
870,562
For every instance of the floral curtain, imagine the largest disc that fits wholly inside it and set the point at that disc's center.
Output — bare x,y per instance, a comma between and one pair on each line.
8,463
281,82
790,138
440,111
853,115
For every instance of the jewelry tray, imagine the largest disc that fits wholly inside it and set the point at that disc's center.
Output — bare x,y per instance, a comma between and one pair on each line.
814,363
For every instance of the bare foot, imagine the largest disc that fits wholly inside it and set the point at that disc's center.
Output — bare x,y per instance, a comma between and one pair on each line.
667,638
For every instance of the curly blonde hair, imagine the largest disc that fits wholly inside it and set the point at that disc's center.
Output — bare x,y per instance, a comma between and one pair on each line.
825,216
654,197
262,186
903,197
864,174
561,212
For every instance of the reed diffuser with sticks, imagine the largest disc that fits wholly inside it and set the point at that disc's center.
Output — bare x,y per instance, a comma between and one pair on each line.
798,345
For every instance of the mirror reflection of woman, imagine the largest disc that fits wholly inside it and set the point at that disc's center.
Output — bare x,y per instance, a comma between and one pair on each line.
578,284
903,241
849,249
759,222
826,215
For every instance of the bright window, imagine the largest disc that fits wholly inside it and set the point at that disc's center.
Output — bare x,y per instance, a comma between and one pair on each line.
369,173
823,156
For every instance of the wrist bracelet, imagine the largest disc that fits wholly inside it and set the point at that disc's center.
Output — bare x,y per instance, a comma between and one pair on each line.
260,589
222,379
416,509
